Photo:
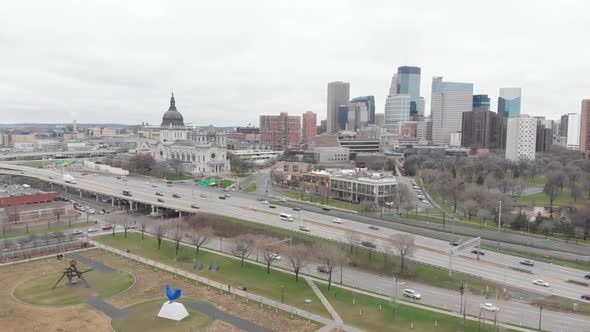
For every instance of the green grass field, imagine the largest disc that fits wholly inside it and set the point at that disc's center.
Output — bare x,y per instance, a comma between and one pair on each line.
226,183
250,188
539,179
178,177
142,317
39,290
374,314
564,198
230,272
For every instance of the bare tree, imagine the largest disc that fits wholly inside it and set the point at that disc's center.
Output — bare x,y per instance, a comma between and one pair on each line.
551,188
470,207
60,236
353,240
269,249
483,214
298,256
454,190
547,226
405,246
330,258
176,231
490,182
243,246
573,174
199,234
576,191
517,187
161,229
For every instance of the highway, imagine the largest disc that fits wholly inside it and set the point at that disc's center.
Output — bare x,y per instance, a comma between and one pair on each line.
493,266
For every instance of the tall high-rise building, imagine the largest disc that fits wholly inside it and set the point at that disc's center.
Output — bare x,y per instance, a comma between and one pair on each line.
424,129
338,94
408,83
309,125
521,138
544,134
280,131
342,117
380,119
563,126
585,128
482,129
573,131
481,102
322,128
368,103
397,112
393,87
509,102
449,101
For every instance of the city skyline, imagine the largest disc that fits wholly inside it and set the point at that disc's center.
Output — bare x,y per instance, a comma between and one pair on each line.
123,70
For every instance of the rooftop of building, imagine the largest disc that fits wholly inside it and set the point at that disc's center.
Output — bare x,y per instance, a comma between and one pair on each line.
16,190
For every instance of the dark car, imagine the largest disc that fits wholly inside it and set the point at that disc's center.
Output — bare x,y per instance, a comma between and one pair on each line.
272,206
454,243
325,208
160,200
222,197
587,276
369,244
106,228
527,262
296,209
475,251
159,194
126,193
586,297
322,269
374,228
176,195
194,206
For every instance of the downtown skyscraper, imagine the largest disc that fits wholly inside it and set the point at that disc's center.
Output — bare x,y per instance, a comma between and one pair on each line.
338,95
449,101
509,102
585,128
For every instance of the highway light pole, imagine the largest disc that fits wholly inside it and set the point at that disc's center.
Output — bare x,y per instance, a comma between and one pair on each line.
499,222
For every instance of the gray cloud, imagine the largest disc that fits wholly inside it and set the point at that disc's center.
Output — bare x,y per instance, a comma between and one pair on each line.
230,61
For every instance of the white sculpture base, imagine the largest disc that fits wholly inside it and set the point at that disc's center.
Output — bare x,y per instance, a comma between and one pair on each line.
175,311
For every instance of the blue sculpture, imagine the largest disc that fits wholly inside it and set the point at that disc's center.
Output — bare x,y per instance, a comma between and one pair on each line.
172,295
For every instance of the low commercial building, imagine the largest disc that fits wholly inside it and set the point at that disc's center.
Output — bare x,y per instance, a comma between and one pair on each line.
327,155
377,188
256,156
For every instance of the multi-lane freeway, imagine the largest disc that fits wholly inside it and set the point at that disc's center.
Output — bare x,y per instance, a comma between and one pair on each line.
493,266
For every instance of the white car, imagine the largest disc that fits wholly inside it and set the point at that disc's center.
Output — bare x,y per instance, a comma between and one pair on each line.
412,294
92,230
304,228
265,202
276,257
76,232
283,200
489,307
337,220
540,282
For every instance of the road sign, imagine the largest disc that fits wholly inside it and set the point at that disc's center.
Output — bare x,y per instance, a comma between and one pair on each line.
210,182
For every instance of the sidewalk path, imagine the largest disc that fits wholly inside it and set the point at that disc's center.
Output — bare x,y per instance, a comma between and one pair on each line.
325,302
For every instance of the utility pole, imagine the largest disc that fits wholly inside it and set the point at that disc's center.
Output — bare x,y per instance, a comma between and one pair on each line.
461,291
540,316
499,222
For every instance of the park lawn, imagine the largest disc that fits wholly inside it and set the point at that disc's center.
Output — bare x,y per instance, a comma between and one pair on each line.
539,179
42,231
563,199
319,200
178,177
374,318
39,290
251,276
250,188
564,304
141,318
226,183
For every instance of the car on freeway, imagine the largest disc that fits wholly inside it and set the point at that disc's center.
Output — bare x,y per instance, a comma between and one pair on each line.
225,189
337,220
265,202
475,251
93,230
227,195
587,276
489,307
159,193
203,195
221,197
375,228
22,172
322,269
160,200
126,193
527,262
195,206
283,200
81,208
154,186
586,297
540,282
76,232
51,177
276,257
296,209
118,178
272,206
101,212
369,244
454,243
91,211
325,208
176,195
107,227
412,294
304,228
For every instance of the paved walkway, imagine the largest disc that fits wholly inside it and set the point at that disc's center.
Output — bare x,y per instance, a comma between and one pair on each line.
98,266
325,302
99,304
224,287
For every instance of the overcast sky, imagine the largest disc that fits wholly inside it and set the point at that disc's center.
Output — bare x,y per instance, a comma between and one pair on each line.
230,61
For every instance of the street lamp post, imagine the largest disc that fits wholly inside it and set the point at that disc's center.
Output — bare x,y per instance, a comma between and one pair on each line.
499,222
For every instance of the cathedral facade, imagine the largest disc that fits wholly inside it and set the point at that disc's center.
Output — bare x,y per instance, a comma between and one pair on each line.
200,152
